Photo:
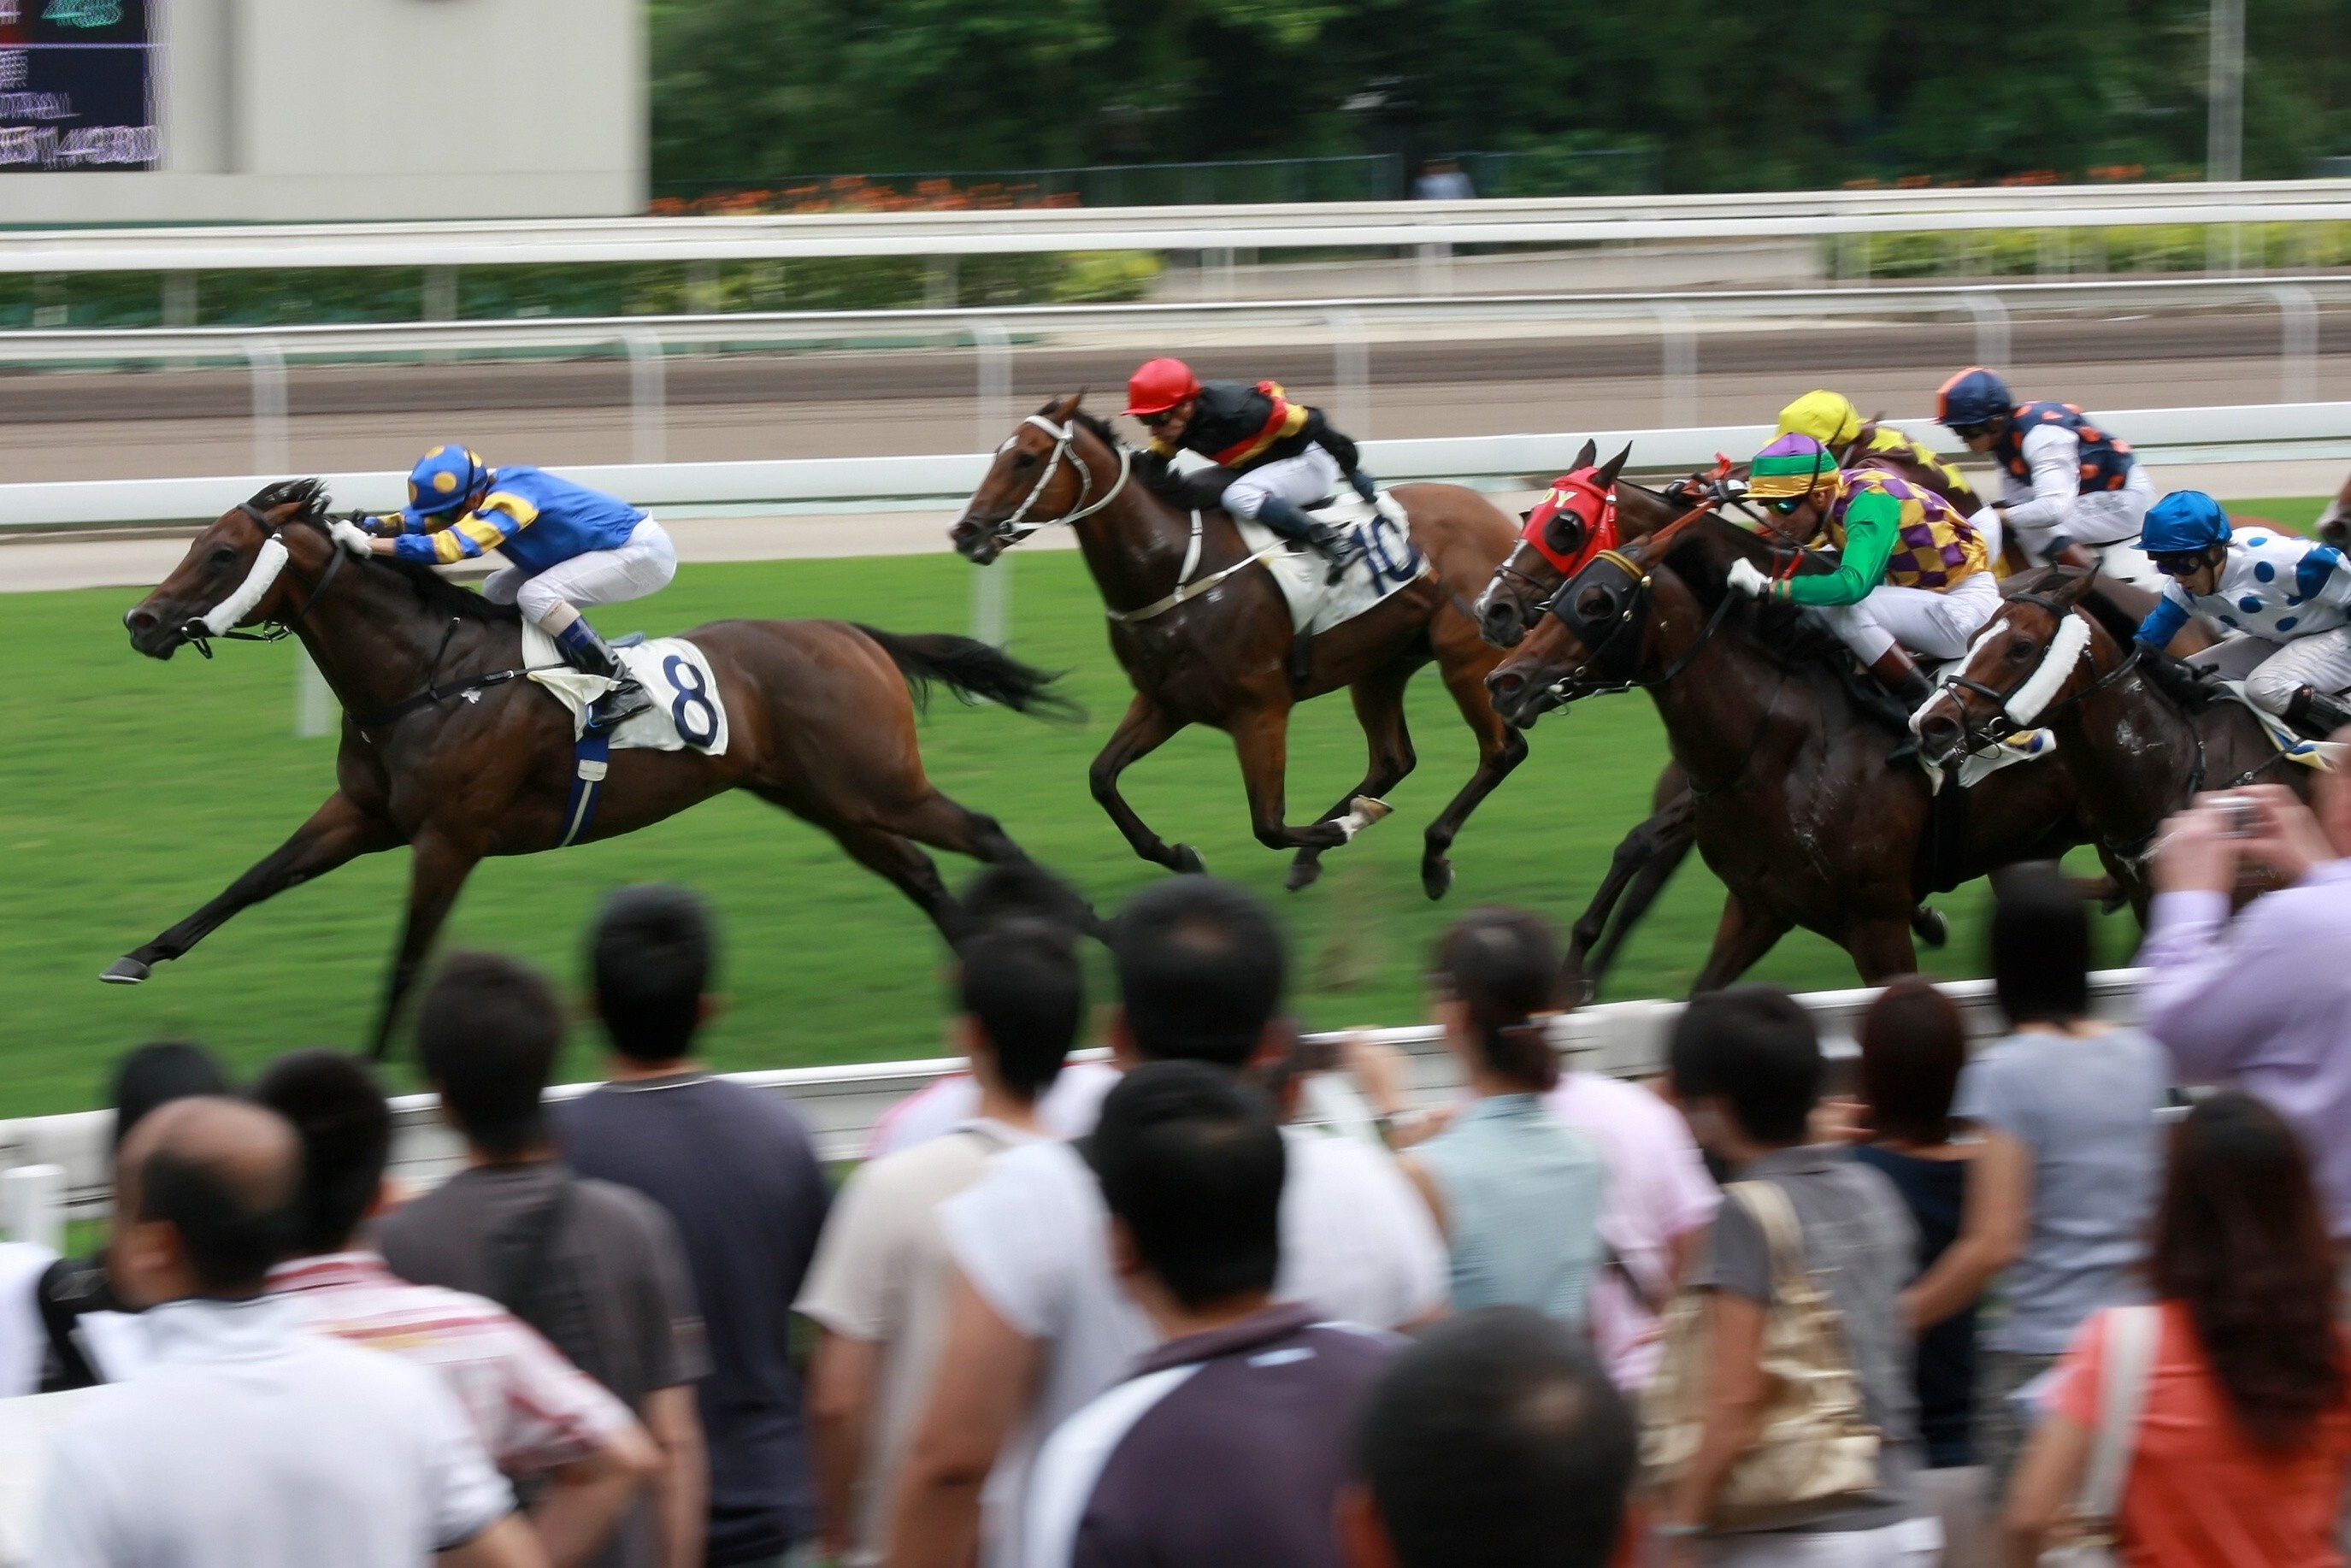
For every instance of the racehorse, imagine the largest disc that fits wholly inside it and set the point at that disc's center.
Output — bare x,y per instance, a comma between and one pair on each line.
1204,641
446,750
2053,656
1794,805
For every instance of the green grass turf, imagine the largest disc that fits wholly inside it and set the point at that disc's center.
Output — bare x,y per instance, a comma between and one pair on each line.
130,791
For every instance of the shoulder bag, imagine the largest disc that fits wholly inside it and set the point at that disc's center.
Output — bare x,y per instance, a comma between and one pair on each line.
2129,1336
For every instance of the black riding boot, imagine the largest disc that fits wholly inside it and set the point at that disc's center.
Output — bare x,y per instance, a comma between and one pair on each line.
1907,689
586,651
2316,714
1283,518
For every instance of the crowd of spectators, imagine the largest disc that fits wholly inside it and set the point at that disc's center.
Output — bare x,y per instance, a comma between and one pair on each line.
1927,1304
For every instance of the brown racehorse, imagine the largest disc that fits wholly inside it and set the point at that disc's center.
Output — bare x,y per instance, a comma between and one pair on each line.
2136,754
820,717
1795,806
1215,648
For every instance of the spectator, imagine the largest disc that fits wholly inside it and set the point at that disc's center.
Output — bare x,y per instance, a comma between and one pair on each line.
71,1289
1746,1067
1495,1442
1913,1046
250,1443
2070,1156
2260,1002
882,1284
1441,180
1229,1443
548,1426
1038,1325
1516,1191
2237,1456
594,1267
736,1172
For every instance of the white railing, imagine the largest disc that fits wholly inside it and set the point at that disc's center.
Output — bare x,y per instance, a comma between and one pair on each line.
842,1105
1323,225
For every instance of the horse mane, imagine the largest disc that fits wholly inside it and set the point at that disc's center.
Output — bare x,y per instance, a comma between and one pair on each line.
433,590
1781,633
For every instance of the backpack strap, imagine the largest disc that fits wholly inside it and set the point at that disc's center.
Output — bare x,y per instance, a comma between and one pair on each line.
2128,1337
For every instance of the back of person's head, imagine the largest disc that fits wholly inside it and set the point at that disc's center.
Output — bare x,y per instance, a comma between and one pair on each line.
1913,1045
487,1034
224,1175
338,1109
1020,983
1502,966
650,957
158,1073
1496,1441
1191,1159
2241,1237
1019,890
1755,1050
1200,970
2040,945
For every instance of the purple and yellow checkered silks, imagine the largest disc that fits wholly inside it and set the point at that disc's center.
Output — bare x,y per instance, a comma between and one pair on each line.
1794,465
1934,547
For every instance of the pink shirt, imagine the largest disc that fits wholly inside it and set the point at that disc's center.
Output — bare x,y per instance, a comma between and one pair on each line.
1067,1110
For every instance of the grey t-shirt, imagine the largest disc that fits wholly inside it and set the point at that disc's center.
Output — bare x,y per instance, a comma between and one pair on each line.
2085,1108
1860,1241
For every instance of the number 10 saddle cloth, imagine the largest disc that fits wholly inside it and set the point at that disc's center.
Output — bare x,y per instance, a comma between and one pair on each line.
1382,560
687,712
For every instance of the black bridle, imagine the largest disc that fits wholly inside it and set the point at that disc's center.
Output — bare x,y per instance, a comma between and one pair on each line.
197,634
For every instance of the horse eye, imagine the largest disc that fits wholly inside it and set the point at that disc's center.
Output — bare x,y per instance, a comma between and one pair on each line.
2020,651
1024,460
223,555
1595,604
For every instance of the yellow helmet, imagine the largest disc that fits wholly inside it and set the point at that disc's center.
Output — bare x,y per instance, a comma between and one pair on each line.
1827,417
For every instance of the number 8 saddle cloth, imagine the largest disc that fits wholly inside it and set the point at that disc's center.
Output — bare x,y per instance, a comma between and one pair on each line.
1383,559
687,713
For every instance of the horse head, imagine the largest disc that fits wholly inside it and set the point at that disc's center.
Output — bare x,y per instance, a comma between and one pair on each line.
2033,652
235,573
1563,532
1034,479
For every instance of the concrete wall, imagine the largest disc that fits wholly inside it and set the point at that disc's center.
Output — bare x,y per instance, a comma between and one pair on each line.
319,109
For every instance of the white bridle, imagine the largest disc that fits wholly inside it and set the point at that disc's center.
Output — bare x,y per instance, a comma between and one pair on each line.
268,563
1017,527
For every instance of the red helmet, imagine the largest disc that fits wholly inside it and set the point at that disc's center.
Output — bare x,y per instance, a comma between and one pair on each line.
1159,385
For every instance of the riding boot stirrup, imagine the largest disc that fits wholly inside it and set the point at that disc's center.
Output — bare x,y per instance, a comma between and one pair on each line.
2314,712
588,653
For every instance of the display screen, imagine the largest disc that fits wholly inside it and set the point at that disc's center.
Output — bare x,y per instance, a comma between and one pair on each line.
77,86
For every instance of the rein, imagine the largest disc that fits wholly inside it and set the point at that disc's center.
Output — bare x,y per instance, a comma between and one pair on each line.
1978,739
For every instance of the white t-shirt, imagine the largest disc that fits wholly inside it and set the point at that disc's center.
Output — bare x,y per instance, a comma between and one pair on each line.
1033,1237
1067,1110
250,1442
23,1341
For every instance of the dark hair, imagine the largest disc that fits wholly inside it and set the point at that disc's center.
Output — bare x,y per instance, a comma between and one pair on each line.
2241,1238
1913,1045
651,958
158,1073
1496,1441
1020,890
1020,980
487,1034
1502,965
2040,945
1191,1158
1200,970
233,1225
339,1112
1755,1049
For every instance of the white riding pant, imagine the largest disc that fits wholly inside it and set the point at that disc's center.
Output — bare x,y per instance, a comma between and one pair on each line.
2107,524
1939,623
1309,477
644,565
2273,671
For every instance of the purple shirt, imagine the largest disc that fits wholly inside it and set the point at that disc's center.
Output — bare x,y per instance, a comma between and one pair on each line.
2264,1004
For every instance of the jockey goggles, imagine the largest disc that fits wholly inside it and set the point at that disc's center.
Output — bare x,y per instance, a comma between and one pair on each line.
2184,563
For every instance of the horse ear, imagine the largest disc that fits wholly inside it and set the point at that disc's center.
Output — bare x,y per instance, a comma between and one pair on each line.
1585,459
1614,466
1067,406
2072,581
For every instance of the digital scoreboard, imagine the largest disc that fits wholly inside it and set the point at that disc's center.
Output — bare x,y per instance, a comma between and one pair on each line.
77,86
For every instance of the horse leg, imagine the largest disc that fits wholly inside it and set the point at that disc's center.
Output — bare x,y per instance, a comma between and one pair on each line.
1740,941
946,823
1649,854
1500,749
435,875
1881,949
898,859
338,832
1643,892
1379,709
1262,741
1142,731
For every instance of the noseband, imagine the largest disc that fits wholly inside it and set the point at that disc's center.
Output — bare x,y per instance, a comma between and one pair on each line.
1012,529
220,621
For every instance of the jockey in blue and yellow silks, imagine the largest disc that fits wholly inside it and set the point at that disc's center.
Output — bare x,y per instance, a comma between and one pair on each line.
568,545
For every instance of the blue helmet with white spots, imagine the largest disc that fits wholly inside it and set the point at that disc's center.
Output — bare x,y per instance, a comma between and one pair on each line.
2182,523
443,480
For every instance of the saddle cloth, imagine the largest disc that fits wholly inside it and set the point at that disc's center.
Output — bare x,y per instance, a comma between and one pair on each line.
1384,560
687,713
2322,755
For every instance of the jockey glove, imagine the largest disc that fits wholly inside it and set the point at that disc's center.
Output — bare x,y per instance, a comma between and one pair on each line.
1363,484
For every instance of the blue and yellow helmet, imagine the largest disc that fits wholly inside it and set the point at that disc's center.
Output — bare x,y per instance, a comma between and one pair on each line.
443,480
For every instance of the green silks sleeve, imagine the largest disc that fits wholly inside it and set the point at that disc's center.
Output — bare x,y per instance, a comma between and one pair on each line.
1872,525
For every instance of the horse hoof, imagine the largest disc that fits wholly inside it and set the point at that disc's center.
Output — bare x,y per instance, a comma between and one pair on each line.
1927,922
1187,861
1302,874
1437,877
126,972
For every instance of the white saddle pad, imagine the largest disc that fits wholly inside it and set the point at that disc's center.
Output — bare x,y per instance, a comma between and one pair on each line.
687,713
1385,561
2319,753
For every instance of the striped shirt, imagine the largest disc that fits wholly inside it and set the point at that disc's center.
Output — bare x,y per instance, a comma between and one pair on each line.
532,1409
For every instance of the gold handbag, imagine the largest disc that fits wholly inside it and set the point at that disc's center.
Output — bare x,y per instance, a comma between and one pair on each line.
1814,1447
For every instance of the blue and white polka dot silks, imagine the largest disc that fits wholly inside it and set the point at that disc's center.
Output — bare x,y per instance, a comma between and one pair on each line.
2274,586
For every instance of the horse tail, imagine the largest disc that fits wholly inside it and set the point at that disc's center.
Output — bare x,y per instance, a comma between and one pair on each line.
973,671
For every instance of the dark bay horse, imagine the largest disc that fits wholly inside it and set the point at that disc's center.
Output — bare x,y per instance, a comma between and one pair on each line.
2136,753
460,767
1794,805
1215,647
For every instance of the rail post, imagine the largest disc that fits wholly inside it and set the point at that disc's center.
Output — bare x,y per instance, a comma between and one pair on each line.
991,585
33,1205
1351,371
648,413
2298,344
1677,367
314,700
1992,325
267,364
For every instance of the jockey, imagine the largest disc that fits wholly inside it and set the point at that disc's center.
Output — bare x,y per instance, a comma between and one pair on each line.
568,546
2072,492
2285,600
1831,419
1274,456
1912,573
